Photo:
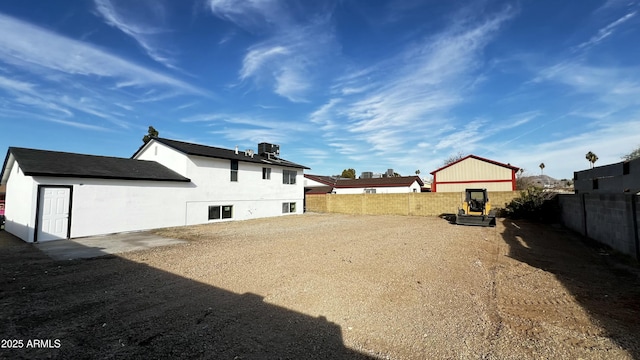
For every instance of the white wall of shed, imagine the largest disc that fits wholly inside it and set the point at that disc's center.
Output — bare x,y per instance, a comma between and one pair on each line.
20,204
105,206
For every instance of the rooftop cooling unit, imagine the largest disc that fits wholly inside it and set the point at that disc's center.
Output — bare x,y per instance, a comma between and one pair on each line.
268,149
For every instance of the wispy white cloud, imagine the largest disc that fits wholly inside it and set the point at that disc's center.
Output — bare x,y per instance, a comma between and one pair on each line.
467,137
250,128
609,140
129,21
287,60
70,79
605,32
614,86
256,58
250,15
79,125
16,85
415,89
36,50
252,136
315,154
325,116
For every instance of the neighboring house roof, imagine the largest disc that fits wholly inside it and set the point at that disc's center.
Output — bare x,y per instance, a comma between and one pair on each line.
379,182
62,164
318,190
509,166
342,183
327,180
220,153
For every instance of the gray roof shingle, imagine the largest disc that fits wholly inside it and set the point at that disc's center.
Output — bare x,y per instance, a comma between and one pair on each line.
214,152
62,164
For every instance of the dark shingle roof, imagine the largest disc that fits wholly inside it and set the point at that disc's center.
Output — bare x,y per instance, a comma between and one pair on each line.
327,180
62,164
318,190
214,152
379,182
342,183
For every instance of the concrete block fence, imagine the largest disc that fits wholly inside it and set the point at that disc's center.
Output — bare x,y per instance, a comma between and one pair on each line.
414,204
611,219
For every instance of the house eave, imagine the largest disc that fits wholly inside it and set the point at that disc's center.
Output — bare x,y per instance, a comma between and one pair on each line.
106,177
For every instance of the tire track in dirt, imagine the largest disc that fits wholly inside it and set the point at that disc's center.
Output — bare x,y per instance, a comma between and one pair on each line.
495,319
538,314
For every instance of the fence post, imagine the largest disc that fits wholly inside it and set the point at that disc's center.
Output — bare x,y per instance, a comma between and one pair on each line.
583,204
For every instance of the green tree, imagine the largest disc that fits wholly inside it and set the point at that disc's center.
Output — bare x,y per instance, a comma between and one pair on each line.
349,173
592,158
418,172
152,132
632,155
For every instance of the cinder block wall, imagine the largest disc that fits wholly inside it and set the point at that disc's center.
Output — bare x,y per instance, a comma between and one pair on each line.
417,204
315,203
607,218
607,221
572,212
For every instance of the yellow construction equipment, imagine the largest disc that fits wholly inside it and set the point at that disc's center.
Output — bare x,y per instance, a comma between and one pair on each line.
476,209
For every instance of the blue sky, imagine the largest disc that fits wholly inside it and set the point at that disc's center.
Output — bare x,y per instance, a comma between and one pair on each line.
369,85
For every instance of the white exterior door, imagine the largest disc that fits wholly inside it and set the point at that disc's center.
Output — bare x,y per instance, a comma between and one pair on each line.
54,213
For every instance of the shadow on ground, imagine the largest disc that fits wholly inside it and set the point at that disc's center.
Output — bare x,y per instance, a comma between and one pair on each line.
605,284
109,307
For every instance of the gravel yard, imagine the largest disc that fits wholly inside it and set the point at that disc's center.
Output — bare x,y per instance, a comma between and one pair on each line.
329,286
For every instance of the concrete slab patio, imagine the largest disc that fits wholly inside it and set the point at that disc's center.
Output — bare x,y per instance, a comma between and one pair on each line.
95,246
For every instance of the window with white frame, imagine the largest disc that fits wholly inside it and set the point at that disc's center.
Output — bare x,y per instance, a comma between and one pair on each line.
218,212
288,207
266,173
289,177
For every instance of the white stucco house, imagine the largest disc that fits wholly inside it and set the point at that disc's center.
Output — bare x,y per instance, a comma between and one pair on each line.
385,185
56,195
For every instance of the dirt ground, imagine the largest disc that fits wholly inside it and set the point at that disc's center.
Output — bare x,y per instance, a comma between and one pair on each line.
328,286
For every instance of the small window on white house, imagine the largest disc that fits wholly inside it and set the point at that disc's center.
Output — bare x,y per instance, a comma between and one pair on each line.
289,177
288,207
369,191
220,212
234,170
266,173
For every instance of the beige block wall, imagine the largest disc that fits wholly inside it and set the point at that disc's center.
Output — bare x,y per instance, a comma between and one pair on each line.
416,204
315,203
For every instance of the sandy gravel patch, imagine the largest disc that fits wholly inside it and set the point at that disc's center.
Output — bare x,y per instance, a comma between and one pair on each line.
332,286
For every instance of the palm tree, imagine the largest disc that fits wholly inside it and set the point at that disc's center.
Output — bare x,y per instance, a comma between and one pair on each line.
592,158
541,168
417,172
